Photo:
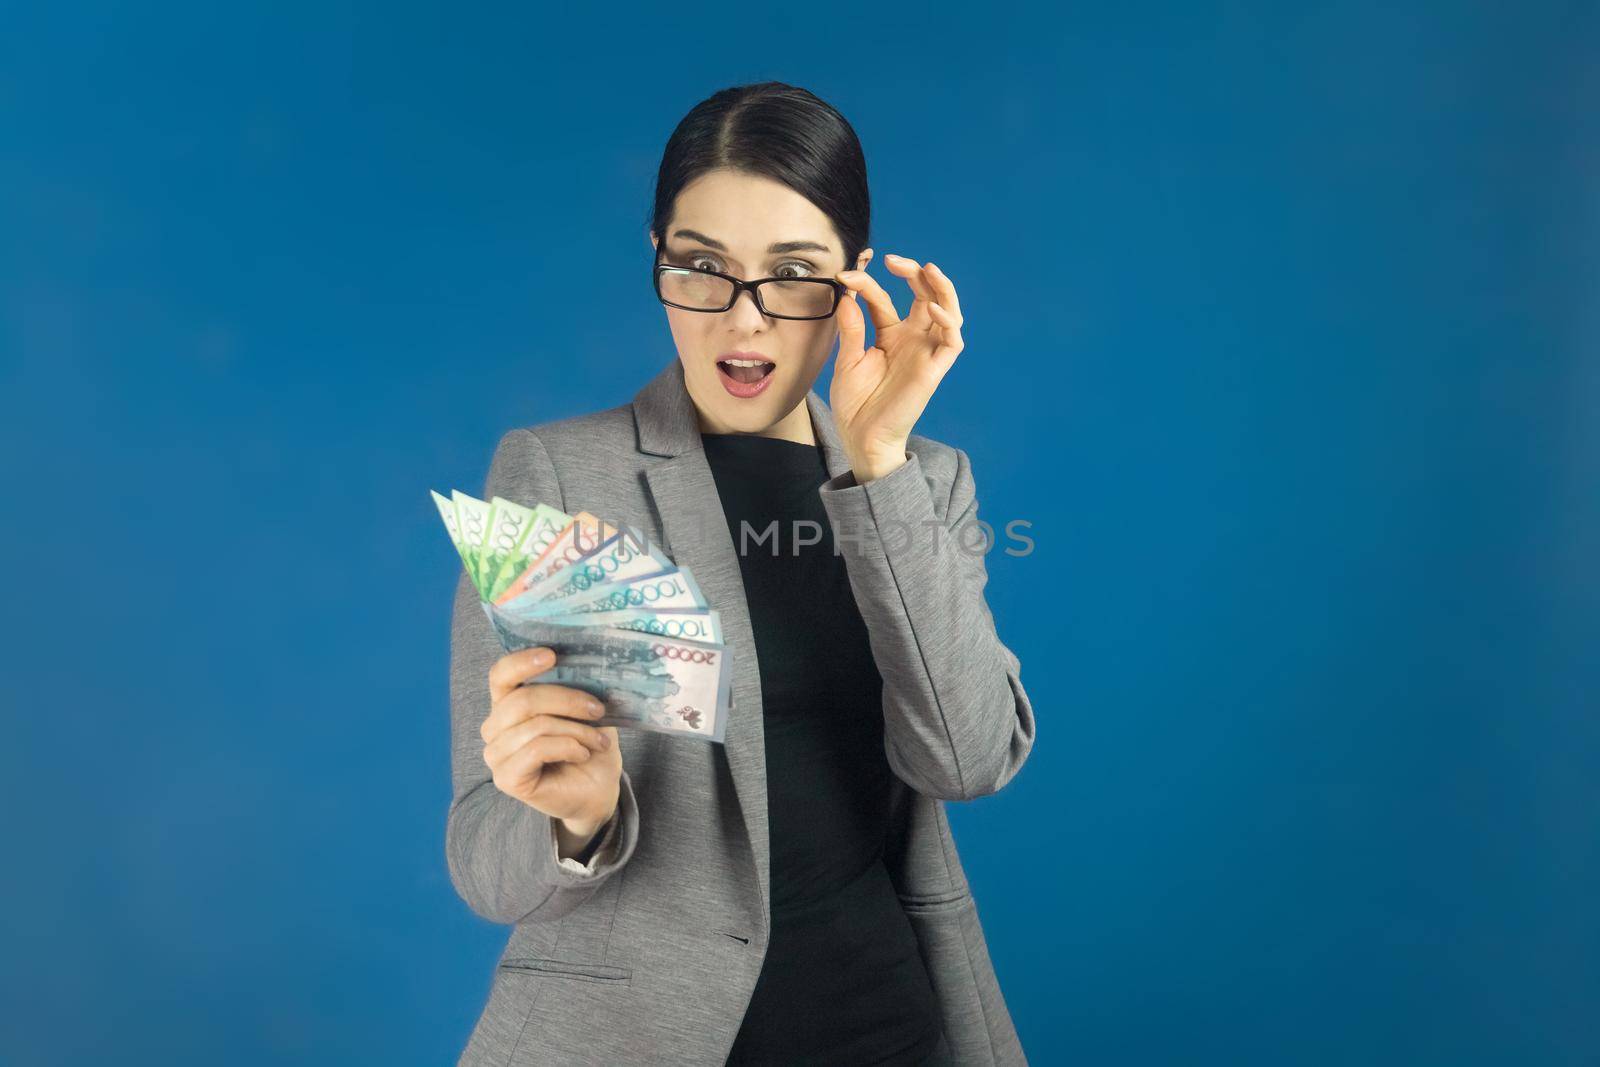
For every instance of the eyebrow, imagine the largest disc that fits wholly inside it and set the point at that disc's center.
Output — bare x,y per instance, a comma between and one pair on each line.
777,248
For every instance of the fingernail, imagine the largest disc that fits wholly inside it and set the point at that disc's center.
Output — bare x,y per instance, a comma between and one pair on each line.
544,656
595,706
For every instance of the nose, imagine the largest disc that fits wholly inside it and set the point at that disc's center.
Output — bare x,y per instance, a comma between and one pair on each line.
745,310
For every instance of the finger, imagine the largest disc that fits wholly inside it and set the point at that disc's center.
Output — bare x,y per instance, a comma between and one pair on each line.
541,698
911,271
528,761
950,343
879,304
944,290
852,329
512,738
514,668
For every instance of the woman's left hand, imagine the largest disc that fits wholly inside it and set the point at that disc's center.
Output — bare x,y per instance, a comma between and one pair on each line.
878,393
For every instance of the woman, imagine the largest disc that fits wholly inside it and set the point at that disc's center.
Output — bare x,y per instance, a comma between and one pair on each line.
792,895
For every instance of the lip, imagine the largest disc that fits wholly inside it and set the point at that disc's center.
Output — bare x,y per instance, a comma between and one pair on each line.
744,390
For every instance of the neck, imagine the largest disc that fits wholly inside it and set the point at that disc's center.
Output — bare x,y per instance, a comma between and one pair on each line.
795,426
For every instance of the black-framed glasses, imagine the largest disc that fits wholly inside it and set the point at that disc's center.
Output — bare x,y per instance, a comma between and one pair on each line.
779,298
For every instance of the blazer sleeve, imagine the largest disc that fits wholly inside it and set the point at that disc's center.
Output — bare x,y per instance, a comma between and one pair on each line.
502,854
957,722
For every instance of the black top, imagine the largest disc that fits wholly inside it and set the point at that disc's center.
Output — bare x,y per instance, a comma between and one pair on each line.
843,981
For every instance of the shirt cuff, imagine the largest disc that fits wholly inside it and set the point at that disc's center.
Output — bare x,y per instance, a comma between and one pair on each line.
602,846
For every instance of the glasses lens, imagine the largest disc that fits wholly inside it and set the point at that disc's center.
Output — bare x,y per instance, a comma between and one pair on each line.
800,298
695,289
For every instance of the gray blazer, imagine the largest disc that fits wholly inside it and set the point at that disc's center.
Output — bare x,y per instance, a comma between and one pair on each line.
649,953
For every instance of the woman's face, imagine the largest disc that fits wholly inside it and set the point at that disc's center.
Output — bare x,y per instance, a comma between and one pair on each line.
751,227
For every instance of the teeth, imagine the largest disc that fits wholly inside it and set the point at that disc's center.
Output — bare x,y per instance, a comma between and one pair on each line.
745,362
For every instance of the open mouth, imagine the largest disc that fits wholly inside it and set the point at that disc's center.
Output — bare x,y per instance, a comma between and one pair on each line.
745,371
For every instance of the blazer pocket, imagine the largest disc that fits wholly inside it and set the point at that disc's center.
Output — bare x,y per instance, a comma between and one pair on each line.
583,972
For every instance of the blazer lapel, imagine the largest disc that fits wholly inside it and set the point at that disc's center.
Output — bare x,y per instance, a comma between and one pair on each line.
695,535
827,435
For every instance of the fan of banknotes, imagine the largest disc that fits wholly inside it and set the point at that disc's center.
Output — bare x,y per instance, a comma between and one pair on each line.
625,622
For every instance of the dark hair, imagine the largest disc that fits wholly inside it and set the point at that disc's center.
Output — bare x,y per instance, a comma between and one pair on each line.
780,132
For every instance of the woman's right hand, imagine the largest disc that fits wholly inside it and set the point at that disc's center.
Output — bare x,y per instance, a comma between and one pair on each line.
541,750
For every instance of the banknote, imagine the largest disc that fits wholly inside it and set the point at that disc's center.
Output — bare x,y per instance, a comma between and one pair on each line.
625,554
647,681
472,526
626,623
691,624
576,540
447,512
517,537
673,588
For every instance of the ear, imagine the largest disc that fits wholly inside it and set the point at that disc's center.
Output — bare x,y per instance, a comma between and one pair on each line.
654,241
863,259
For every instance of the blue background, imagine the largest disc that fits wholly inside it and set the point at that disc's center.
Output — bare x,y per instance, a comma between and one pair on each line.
1282,331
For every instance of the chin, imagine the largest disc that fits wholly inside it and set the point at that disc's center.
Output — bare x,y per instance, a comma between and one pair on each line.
747,418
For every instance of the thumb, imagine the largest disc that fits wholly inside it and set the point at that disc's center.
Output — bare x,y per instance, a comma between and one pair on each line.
852,330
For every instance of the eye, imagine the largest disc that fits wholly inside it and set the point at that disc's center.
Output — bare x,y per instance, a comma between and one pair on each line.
694,262
805,267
